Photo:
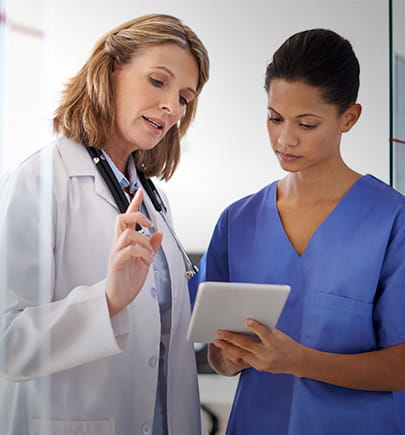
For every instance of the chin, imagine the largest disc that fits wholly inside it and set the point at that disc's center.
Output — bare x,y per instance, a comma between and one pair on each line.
285,166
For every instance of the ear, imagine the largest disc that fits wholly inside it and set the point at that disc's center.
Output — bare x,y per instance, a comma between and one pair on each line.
350,117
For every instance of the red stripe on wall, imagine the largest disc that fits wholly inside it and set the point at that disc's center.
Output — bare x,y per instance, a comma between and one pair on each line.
398,141
21,28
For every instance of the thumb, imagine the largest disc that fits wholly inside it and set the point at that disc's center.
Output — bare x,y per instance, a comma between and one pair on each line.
155,241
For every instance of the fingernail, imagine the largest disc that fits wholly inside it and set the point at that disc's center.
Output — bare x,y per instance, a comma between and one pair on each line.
220,334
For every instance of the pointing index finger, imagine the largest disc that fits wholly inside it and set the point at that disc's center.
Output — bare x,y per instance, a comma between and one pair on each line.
136,201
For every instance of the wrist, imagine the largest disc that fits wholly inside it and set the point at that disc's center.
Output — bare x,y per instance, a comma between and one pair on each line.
113,308
301,362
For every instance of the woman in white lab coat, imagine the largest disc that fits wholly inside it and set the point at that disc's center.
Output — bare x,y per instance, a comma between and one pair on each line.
93,312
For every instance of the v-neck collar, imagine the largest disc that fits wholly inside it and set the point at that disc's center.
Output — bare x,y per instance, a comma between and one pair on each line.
322,224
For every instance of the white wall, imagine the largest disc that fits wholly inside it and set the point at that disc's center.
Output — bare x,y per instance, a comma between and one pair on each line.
226,154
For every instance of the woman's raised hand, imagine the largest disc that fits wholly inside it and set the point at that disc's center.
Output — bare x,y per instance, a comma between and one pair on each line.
131,256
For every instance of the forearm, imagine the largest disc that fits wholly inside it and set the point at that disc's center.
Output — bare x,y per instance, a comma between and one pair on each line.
60,335
381,370
276,352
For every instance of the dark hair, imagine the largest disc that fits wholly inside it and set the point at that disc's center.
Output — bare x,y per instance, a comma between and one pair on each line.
319,58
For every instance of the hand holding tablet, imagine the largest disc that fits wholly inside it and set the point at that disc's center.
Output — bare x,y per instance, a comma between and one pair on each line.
226,305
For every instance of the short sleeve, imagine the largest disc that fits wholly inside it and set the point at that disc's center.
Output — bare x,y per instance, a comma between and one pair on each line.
390,303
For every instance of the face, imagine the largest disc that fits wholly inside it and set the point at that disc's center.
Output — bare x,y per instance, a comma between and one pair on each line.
304,130
151,94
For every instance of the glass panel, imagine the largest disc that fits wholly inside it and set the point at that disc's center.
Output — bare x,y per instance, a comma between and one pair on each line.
398,94
2,60
25,226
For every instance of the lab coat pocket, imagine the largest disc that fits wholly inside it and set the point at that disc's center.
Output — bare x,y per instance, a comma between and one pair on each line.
334,323
69,427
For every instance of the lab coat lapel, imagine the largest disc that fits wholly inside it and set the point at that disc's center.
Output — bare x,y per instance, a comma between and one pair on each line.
102,190
78,163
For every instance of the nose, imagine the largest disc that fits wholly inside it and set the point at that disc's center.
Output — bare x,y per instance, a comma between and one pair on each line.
171,105
287,135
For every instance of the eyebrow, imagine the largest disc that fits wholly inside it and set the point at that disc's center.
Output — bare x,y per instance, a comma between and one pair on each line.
302,115
171,74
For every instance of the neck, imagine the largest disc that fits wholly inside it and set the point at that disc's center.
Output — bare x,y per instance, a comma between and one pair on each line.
118,155
330,185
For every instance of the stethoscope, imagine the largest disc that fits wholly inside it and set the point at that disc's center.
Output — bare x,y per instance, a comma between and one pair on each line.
122,201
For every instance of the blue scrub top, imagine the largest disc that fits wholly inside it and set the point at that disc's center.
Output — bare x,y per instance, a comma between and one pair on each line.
348,296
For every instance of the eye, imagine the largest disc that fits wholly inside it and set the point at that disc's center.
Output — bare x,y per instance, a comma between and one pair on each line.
183,101
275,119
308,126
156,82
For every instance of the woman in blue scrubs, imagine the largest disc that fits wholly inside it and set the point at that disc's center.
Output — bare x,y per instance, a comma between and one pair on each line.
335,364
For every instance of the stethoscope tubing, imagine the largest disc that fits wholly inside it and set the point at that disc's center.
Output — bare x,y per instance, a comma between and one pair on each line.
191,268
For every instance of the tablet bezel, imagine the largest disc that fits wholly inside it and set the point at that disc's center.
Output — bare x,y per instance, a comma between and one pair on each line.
226,305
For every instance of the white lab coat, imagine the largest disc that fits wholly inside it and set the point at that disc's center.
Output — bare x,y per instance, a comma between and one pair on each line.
65,366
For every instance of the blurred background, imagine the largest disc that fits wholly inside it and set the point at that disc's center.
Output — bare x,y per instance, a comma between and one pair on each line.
226,154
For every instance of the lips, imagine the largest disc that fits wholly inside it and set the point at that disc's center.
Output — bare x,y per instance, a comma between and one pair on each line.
156,123
287,157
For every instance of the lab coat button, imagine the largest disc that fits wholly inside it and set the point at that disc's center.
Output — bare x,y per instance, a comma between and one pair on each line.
146,429
155,272
152,361
153,291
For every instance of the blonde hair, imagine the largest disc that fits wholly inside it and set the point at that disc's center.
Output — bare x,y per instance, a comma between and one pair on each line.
86,113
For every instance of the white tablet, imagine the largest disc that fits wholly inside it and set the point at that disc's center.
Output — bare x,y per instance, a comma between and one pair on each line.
226,305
